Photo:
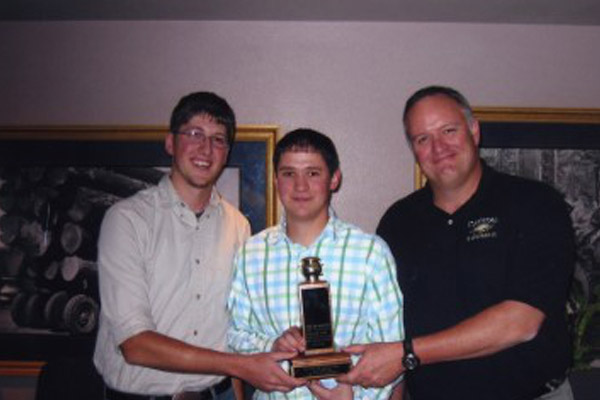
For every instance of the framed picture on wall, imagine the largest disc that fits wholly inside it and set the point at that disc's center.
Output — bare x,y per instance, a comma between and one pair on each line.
55,185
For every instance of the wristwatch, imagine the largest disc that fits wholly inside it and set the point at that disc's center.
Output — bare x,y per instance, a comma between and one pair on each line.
410,361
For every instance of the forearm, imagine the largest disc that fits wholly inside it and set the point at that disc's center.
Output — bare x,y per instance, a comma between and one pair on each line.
495,329
154,350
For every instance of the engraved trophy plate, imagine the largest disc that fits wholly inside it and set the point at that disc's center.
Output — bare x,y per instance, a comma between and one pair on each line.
320,360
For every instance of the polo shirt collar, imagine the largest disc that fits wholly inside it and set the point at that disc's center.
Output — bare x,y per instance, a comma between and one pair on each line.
483,188
487,174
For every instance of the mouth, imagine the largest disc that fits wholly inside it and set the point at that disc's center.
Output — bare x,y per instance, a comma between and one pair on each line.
301,199
444,158
201,164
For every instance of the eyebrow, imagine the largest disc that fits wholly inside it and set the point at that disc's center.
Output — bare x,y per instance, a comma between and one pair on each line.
199,128
290,168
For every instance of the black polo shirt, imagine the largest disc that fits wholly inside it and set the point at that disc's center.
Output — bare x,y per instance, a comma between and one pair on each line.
513,240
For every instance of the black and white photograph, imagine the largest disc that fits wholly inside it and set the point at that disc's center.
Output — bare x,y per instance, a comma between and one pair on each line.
51,209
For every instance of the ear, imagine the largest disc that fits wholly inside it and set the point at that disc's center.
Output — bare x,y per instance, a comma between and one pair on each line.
170,144
336,179
475,132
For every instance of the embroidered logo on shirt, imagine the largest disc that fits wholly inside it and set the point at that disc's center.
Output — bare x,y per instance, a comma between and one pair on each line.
482,228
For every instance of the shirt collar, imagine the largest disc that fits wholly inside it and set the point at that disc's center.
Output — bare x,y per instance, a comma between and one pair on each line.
487,174
170,198
331,230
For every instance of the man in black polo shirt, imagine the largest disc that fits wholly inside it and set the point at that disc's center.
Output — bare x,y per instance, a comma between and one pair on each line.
484,261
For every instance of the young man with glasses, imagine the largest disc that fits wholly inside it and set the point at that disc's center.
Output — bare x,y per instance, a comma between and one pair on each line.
165,259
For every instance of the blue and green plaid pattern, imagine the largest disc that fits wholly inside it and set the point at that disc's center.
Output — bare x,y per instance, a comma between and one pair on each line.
365,299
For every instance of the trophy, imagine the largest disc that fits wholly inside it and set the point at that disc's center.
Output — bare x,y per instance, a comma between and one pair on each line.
319,360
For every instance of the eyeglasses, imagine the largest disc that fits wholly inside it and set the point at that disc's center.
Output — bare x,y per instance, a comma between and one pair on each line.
199,137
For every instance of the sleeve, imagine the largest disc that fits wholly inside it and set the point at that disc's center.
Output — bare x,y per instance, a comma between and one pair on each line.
245,334
543,257
123,289
386,309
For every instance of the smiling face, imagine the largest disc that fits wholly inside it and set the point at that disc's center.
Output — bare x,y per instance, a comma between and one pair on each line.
305,185
197,164
444,143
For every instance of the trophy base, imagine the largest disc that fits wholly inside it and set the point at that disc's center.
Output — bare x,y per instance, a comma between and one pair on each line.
320,366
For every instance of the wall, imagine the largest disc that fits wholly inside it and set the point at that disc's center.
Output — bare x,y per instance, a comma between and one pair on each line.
349,80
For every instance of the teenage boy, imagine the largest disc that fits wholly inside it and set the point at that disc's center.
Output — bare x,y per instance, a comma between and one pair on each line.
365,299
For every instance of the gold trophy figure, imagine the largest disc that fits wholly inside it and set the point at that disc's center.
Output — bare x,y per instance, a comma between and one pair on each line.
320,360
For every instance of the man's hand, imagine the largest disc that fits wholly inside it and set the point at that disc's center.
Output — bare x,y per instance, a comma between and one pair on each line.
379,364
263,371
290,341
341,392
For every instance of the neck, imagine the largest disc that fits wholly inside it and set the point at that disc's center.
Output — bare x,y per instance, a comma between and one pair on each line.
305,232
195,198
450,199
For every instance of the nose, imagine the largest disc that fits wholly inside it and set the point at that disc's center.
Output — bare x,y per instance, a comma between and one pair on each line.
437,145
300,183
205,145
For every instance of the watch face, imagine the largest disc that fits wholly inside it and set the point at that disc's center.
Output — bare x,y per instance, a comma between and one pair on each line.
410,362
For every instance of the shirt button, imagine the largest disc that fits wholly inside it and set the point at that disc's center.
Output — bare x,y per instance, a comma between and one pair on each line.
450,221
198,297
195,333
197,261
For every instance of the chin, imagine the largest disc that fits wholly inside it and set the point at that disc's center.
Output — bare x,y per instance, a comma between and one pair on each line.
202,183
300,216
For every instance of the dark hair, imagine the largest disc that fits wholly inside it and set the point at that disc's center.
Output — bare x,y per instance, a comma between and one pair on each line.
204,103
438,91
308,139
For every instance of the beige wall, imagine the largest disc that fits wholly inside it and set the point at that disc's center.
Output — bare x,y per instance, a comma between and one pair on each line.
348,80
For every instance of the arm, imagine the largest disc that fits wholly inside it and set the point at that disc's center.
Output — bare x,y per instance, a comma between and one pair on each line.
262,370
154,350
494,329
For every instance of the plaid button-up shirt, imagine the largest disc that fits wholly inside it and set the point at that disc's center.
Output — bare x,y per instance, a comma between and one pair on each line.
366,301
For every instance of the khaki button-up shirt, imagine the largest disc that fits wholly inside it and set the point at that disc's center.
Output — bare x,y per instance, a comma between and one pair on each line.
163,269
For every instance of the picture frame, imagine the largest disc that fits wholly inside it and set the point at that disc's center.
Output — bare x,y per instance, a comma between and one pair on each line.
562,148
115,161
